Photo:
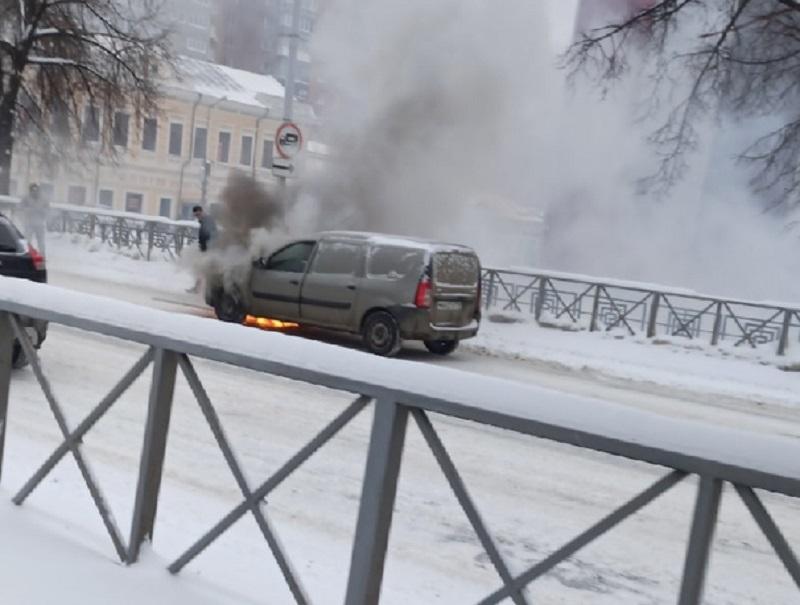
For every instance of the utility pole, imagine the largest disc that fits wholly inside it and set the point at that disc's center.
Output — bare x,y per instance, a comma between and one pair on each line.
288,91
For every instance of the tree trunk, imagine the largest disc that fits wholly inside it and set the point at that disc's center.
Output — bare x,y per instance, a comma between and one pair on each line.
6,146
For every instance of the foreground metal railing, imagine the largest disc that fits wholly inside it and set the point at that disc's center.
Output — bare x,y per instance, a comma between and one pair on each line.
716,455
640,309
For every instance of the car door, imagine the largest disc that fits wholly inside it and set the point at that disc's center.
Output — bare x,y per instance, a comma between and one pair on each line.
276,281
331,285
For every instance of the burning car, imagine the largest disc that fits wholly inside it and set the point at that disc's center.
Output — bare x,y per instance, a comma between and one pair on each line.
385,288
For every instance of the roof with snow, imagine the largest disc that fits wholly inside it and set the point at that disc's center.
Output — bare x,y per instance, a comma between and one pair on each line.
223,82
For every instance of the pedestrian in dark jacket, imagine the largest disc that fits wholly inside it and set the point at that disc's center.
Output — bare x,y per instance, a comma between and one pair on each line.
35,210
205,236
208,227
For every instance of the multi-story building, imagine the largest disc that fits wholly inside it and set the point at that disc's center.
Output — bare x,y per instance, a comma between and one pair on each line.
212,120
192,27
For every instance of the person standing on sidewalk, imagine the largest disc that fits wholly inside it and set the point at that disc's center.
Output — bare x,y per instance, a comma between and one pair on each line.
35,210
206,235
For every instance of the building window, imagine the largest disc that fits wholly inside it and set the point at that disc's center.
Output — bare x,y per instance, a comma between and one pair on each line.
121,125
200,143
266,154
165,207
134,202
186,210
105,198
246,156
91,124
60,121
76,195
176,139
149,133
306,25
224,147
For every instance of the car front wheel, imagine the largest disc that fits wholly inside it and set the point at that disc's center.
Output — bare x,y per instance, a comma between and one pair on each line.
229,308
382,334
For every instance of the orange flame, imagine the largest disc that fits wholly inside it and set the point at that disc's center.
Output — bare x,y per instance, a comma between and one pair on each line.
266,323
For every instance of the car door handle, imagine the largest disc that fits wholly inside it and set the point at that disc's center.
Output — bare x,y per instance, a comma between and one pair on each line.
294,282
351,287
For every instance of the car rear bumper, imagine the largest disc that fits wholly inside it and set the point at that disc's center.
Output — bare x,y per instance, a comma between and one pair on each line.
415,324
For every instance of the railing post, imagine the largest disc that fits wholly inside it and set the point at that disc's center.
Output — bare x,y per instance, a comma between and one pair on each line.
787,324
6,352
489,290
151,227
377,503
537,312
155,444
709,494
717,325
652,320
595,309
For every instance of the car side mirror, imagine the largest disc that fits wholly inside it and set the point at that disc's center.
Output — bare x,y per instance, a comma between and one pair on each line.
260,263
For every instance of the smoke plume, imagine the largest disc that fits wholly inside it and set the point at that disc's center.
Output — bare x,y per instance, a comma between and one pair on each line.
450,120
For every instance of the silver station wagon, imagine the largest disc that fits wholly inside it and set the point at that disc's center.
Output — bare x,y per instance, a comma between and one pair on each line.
385,288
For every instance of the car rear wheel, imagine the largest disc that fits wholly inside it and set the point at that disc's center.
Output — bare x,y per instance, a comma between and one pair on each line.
441,347
382,334
229,307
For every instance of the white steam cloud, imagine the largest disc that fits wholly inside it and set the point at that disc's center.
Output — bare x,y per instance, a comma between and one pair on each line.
451,121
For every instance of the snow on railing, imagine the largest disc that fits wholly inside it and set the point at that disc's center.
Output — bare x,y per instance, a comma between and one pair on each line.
397,391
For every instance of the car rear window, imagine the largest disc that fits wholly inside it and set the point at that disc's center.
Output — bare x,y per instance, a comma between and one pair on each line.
394,262
9,237
456,268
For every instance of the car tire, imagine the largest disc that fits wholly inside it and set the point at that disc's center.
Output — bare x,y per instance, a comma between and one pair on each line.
228,307
18,358
441,347
381,334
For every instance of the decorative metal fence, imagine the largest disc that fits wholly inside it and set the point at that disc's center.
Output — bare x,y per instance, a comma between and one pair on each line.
129,230
394,390
643,309
552,298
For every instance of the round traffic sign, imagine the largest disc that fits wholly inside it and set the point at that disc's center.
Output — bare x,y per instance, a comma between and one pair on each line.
288,140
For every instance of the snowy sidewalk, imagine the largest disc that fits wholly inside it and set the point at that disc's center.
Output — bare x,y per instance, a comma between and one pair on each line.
60,570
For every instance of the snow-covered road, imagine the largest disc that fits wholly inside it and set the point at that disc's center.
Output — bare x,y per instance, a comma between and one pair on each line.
534,494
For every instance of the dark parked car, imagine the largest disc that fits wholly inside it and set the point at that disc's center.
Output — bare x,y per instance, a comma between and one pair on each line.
20,259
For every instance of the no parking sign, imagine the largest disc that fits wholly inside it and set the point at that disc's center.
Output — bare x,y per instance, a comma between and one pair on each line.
288,140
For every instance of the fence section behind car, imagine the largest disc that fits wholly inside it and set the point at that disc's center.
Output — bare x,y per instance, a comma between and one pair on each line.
653,311
129,230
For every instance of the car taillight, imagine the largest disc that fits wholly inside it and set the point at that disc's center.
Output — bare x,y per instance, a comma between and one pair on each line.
424,295
37,258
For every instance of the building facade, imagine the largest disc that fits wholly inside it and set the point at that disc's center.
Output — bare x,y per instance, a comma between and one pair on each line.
212,120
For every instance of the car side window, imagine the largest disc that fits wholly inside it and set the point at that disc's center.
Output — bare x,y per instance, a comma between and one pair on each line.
337,258
395,263
291,259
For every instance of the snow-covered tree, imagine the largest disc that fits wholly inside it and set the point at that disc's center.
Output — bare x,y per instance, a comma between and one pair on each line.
65,63
741,59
